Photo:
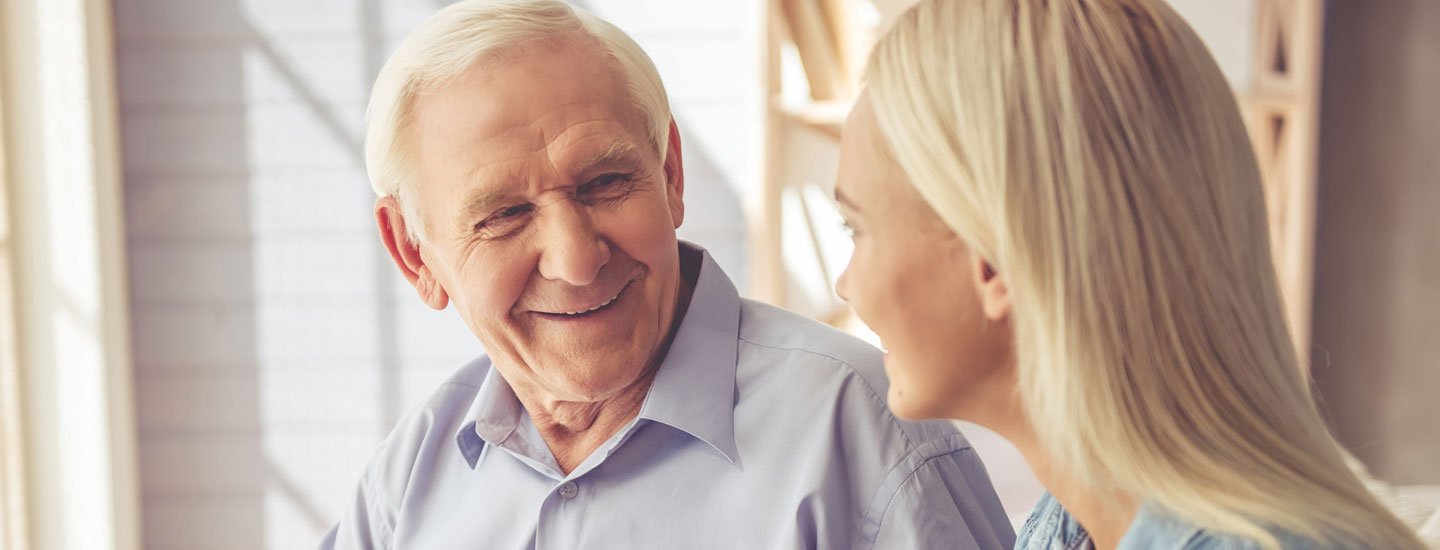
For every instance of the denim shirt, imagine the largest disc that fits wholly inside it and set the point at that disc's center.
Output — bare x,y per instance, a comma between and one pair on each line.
1050,527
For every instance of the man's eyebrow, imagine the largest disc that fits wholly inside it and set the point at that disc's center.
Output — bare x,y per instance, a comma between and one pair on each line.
482,202
619,152
478,206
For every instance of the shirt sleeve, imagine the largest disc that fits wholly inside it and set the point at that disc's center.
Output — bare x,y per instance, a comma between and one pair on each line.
940,498
367,522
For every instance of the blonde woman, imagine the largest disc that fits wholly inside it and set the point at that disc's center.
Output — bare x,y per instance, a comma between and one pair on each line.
1060,235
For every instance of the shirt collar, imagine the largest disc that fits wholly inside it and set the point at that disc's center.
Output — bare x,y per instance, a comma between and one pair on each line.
494,416
1156,527
693,390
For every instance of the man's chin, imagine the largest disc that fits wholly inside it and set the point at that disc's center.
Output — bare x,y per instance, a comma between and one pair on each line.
608,384
591,369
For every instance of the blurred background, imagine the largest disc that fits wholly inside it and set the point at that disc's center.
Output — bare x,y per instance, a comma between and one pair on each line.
201,339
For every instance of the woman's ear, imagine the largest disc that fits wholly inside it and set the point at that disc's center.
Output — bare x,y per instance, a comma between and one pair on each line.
390,219
990,286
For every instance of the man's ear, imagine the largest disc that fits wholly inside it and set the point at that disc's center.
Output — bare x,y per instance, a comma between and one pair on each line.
675,176
391,221
990,286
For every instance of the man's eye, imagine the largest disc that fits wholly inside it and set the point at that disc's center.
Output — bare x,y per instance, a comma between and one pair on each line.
503,218
511,212
602,183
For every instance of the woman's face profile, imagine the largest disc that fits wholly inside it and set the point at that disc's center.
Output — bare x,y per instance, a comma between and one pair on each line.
915,283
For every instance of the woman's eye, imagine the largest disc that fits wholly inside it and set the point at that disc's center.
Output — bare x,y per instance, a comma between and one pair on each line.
847,228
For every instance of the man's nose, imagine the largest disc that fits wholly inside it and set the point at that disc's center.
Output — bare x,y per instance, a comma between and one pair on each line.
571,250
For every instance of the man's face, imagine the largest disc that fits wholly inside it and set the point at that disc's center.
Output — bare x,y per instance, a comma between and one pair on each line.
550,218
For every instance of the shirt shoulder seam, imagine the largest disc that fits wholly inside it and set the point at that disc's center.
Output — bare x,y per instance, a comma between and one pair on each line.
875,395
879,519
378,516
428,408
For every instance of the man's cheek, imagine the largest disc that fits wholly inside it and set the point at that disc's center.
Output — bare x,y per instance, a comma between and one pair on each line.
493,296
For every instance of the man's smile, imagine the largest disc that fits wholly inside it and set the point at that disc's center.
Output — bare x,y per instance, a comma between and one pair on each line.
586,311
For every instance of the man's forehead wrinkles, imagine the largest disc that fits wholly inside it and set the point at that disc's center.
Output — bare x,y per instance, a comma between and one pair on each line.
576,139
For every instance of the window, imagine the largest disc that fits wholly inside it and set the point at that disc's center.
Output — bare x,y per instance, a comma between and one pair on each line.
12,488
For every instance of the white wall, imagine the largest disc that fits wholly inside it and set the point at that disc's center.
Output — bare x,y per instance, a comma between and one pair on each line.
274,346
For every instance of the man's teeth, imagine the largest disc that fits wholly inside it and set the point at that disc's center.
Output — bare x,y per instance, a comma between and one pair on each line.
607,302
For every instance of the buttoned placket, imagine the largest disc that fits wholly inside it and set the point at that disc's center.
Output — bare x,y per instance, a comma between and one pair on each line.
563,511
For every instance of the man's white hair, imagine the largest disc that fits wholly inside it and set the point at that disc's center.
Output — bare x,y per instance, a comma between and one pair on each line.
465,33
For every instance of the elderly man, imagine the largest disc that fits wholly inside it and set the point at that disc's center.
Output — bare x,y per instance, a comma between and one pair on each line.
530,174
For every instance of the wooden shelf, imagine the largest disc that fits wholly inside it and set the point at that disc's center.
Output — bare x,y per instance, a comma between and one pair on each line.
826,117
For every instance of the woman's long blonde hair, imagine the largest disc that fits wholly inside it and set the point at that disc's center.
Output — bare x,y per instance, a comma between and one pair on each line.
1092,151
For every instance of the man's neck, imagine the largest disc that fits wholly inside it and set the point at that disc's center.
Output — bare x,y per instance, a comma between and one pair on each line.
574,430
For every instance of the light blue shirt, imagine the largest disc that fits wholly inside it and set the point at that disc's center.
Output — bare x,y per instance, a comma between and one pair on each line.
1050,527
762,429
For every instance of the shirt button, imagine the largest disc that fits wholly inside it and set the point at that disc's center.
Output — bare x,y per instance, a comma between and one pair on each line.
569,490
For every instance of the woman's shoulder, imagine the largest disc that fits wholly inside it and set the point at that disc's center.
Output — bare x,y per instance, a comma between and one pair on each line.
1156,528
1050,527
